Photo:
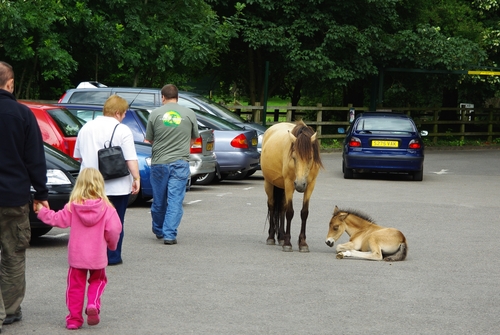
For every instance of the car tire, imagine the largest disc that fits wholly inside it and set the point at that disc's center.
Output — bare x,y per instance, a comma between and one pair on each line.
419,175
251,172
132,199
241,175
204,179
348,173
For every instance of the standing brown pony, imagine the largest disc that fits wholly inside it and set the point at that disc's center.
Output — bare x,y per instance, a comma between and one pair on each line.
290,161
368,240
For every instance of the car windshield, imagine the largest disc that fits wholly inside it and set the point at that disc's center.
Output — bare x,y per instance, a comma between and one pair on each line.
222,110
69,124
384,124
214,122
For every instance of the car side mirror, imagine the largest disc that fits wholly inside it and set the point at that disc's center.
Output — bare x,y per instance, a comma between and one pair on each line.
424,133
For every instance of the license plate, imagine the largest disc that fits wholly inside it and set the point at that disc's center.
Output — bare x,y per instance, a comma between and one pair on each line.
254,142
210,146
385,144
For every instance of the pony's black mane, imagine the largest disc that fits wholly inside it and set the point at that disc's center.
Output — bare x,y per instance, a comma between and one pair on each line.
358,213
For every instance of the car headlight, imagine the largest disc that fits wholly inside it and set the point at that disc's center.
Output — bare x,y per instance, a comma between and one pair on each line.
57,177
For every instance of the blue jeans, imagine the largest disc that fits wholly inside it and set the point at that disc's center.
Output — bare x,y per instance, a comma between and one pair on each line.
169,188
120,203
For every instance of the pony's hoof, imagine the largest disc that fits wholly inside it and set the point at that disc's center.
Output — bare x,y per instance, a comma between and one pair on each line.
281,242
340,255
287,248
304,249
270,241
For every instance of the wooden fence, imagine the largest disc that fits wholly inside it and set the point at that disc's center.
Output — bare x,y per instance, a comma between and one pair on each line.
470,123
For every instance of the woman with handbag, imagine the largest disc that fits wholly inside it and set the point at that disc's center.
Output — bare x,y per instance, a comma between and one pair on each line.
104,132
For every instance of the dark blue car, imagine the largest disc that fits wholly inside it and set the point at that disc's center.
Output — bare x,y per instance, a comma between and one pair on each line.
383,142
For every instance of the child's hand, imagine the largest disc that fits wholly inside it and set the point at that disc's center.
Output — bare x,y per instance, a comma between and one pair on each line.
38,207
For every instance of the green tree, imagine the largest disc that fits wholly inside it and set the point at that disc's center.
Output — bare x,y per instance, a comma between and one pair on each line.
33,44
318,46
118,42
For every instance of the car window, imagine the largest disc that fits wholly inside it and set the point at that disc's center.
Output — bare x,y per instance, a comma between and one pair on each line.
138,98
89,97
384,124
85,114
67,122
143,116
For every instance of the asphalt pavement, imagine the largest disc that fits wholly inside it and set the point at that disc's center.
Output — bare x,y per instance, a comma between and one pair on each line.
222,278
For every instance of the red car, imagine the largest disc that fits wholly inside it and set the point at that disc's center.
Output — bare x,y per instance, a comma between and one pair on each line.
58,126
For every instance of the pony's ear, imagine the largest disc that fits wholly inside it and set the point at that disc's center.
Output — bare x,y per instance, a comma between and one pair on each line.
336,210
292,137
313,138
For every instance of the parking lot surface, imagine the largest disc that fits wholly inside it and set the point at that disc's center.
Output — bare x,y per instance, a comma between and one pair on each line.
222,278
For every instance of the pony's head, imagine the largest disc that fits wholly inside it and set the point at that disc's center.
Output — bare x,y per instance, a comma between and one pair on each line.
336,227
304,154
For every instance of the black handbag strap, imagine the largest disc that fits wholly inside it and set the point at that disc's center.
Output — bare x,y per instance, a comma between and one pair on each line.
111,140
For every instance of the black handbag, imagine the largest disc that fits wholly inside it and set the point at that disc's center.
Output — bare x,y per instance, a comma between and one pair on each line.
112,163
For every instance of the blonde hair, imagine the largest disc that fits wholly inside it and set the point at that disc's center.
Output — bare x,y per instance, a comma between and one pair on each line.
114,104
89,185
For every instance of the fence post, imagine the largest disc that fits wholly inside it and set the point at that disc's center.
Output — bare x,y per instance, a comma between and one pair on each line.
256,113
288,112
319,117
276,115
462,124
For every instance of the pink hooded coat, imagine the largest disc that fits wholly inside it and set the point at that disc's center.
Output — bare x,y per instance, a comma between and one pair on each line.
95,226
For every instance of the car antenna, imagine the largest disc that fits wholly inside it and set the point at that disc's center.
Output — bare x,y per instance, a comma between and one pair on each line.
130,104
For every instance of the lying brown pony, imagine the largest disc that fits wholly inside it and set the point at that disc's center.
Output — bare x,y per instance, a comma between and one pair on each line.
368,240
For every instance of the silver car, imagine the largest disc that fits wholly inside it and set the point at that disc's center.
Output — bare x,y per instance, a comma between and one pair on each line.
235,148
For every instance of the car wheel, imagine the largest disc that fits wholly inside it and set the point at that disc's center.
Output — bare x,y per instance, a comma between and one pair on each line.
204,179
348,173
251,172
37,232
132,198
419,175
240,175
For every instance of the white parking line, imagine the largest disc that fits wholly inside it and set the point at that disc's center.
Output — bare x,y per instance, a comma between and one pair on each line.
56,236
193,202
224,194
443,171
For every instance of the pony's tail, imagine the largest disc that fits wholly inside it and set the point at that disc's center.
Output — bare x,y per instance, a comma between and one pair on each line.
400,255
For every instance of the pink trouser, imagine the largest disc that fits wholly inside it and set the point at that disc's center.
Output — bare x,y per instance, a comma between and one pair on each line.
75,292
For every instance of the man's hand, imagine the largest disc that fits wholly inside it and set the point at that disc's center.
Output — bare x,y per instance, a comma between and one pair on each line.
43,203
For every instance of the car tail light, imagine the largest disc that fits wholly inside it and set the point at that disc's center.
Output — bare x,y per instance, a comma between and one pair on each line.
414,144
60,100
197,147
354,142
240,142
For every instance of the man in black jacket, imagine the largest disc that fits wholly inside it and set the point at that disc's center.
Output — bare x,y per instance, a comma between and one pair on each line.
22,164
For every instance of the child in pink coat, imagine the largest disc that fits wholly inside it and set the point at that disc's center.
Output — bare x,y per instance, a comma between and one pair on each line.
95,226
